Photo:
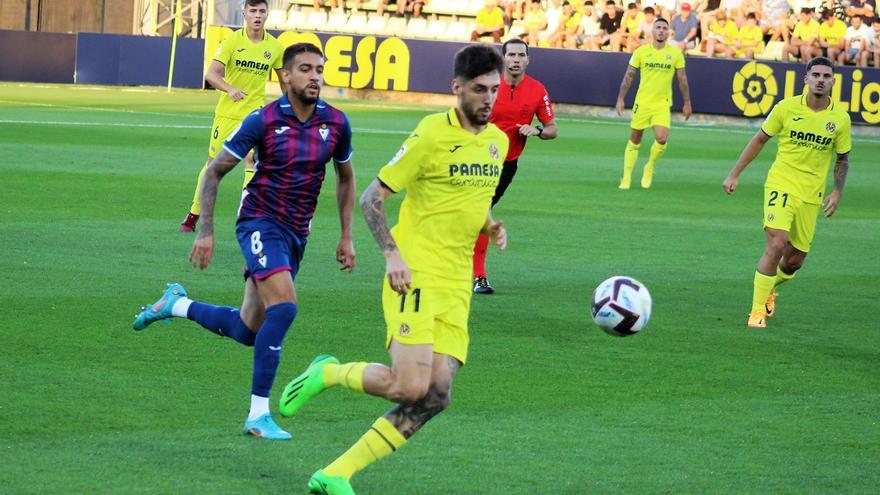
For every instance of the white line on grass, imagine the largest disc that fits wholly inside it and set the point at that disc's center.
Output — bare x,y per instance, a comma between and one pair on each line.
162,126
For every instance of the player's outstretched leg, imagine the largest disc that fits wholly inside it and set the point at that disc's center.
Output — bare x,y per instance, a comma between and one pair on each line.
192,216
306,386
630,155
161,309
657,150
323,484
265,427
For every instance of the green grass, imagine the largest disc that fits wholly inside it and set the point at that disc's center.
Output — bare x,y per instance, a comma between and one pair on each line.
547,404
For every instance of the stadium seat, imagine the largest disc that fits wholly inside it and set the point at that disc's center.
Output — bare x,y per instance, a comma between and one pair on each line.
416,28
296,19
517,29
277,19
773,51
474,6
375,24
356,23
316,21
394,27
436,29
461,7
438,7
336,21
457,30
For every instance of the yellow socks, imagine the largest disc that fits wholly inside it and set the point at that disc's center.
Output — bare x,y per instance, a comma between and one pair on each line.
196,208
630,155
349,375
657,150
763,286
781,277
382,439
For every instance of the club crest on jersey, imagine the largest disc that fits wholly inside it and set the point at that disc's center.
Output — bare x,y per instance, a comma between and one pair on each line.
404,329
267,55
324,132
493,151
830,127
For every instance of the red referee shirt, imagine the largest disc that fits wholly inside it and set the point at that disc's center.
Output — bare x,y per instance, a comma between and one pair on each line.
517,105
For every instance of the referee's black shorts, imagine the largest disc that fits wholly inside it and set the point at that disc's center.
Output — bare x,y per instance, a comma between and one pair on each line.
507,174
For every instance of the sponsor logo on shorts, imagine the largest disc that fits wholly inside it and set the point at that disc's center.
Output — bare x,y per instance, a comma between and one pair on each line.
403,330
262,260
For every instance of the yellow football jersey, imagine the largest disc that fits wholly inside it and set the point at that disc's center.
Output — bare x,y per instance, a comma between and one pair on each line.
751,36
656,70
834,33
450,175
807,143
247,68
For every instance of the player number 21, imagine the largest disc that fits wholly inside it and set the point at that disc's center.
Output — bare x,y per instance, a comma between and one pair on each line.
774,196
417,294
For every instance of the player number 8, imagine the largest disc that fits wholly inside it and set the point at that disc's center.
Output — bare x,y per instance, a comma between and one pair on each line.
256,243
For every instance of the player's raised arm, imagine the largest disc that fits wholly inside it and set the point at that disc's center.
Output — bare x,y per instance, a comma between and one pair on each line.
751,151
628,77
373,210
681,75
203,247
345,193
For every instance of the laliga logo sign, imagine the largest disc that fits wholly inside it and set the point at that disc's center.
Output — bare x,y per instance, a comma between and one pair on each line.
754,89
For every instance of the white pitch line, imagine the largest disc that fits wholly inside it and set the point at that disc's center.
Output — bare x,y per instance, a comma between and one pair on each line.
162,126
112,110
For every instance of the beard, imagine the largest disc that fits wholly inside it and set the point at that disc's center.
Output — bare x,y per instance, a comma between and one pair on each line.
303,98
472,115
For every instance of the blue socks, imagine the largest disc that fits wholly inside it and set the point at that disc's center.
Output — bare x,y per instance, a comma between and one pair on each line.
267,346
222,320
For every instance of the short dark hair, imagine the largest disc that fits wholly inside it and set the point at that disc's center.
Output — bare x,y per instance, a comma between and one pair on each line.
806,10
514,41
660,19
631,5
610,2
820,61
648,10
751,15
295,49
475,60
254,3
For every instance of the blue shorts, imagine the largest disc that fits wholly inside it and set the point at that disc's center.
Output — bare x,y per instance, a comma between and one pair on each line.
269,248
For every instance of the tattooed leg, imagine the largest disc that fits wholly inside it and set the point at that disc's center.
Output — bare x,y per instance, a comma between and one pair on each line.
409,418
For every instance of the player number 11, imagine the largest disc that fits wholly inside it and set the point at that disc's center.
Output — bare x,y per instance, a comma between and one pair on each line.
417,293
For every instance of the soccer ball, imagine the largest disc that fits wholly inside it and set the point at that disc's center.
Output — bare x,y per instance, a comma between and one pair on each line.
621,306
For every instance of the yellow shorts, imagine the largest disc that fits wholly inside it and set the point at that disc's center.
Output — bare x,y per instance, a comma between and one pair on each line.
644,117
220,130
783,211
429,315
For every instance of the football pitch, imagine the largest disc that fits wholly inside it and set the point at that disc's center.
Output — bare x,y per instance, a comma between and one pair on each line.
96,180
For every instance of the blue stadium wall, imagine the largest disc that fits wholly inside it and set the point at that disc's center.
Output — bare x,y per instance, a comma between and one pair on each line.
726,87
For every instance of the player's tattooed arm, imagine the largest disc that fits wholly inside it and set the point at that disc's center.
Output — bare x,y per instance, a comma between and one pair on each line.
373,209
628,77
681,75
219,167
841,167
409,418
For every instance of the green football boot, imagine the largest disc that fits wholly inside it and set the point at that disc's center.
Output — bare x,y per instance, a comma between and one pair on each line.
306,386
322,484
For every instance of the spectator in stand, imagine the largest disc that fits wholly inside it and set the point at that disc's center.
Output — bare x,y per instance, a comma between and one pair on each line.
722,36
566,33
684,29
401,7
804,38
590,30
553,16
750,39
534,20
774,19
632,18
864,8
513,9
706,11
644,34
876,42
831,36
490,22
858,43
662,8
610,25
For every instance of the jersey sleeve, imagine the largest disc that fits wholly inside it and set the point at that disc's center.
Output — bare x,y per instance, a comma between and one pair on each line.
545,107
278,62
636,59
224,51
773,124
406,166
843,141
679,59
246,136
343,151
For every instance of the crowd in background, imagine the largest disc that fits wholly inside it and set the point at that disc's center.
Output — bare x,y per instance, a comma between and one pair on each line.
847,31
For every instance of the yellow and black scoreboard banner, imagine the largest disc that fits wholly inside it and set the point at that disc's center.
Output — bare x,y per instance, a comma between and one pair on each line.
745,88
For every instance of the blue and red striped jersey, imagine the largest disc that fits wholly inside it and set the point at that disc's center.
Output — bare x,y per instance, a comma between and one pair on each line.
291,158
